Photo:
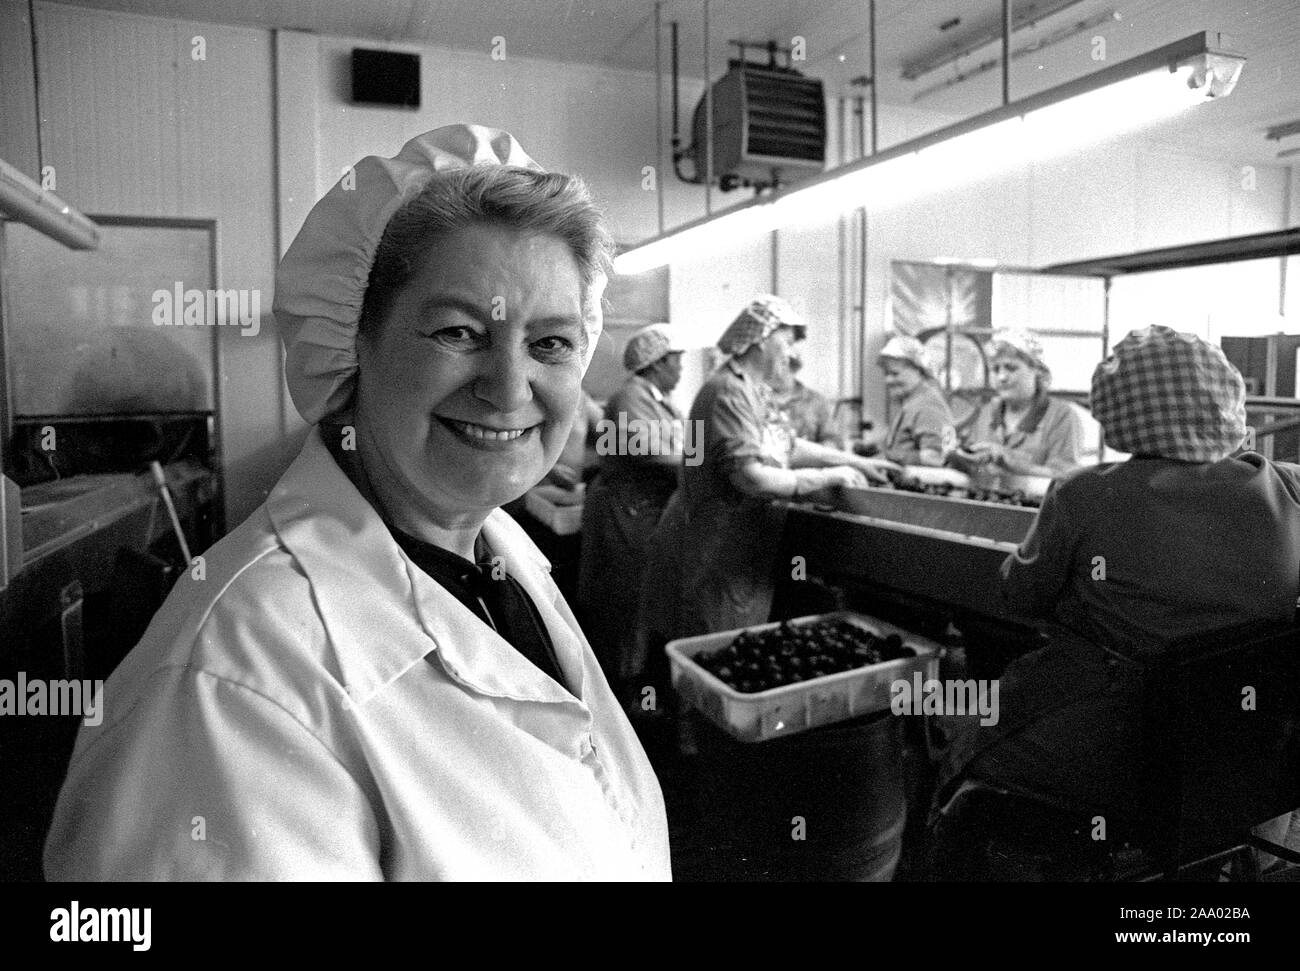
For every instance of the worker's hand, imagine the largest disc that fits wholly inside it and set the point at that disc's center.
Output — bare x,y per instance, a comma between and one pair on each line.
1016,463
993,453
563,476
983,453
876,468
819,485
848,476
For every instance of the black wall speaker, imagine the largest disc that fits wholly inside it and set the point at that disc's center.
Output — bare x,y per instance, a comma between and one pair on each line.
385,78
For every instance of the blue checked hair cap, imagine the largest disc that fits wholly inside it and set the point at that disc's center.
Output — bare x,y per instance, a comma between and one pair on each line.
1170,394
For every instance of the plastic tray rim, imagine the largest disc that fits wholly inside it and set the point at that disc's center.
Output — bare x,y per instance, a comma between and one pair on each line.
673,651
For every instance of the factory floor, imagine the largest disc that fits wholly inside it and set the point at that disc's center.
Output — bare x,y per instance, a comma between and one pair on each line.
705,816
701,851
29,786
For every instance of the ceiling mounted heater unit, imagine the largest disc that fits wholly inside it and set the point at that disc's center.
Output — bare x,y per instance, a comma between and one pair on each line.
769,127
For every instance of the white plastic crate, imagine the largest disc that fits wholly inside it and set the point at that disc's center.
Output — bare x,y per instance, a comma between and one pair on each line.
758,716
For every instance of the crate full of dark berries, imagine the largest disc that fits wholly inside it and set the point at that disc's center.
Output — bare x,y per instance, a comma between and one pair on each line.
781,678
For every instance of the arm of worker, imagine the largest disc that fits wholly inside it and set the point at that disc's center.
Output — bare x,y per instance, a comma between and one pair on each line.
738,433
1064,436
644,411
911,455
1062,433
206,779
667,457
928,437
753,478
902,454
1034,575
1014,460
641,430
808,454
1021,465
825,428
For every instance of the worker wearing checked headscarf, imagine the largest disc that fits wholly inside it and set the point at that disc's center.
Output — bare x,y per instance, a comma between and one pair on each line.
1023,430
921,430
374,677
1187,536
640,441
1193,535
716,542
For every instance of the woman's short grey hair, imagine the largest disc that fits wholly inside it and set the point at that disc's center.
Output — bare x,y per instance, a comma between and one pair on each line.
496,195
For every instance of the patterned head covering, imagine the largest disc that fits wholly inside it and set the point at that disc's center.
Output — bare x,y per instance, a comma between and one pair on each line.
901,347
756,323
648,345
1170,394
322,278
1021,343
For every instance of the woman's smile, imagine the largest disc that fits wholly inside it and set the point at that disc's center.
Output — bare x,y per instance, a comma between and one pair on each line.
488,437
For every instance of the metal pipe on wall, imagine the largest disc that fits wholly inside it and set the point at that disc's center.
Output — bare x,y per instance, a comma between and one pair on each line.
659,117
36,87
708,119
1006,52
1105,351
860,344
776,263
871,66
1288,205
846,327
676,122
947,333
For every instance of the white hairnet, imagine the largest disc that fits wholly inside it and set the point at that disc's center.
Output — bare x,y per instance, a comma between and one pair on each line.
321,280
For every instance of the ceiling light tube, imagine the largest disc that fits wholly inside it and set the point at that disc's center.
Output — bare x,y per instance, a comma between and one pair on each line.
1121,98
24,200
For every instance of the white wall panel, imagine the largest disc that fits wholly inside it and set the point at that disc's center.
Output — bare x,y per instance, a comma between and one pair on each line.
135,126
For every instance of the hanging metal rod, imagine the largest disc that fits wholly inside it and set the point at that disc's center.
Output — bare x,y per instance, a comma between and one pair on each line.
1026,15
1033,47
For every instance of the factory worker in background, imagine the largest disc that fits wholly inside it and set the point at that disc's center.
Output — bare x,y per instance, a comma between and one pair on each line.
638,472
376,677
921,430
807,412
1194,536
712,555
1023,430
578,461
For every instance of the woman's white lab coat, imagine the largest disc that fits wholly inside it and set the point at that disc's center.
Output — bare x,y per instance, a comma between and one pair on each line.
311,705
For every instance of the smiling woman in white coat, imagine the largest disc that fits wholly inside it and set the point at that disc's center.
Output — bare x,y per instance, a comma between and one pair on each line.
374,677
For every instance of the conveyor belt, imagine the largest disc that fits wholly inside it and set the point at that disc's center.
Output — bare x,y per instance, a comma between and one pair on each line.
922,549
964,518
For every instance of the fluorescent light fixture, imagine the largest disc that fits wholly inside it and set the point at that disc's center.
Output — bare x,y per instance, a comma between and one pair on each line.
24,200
1118,99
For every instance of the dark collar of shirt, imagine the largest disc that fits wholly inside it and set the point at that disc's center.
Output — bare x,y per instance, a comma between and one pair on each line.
494,597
